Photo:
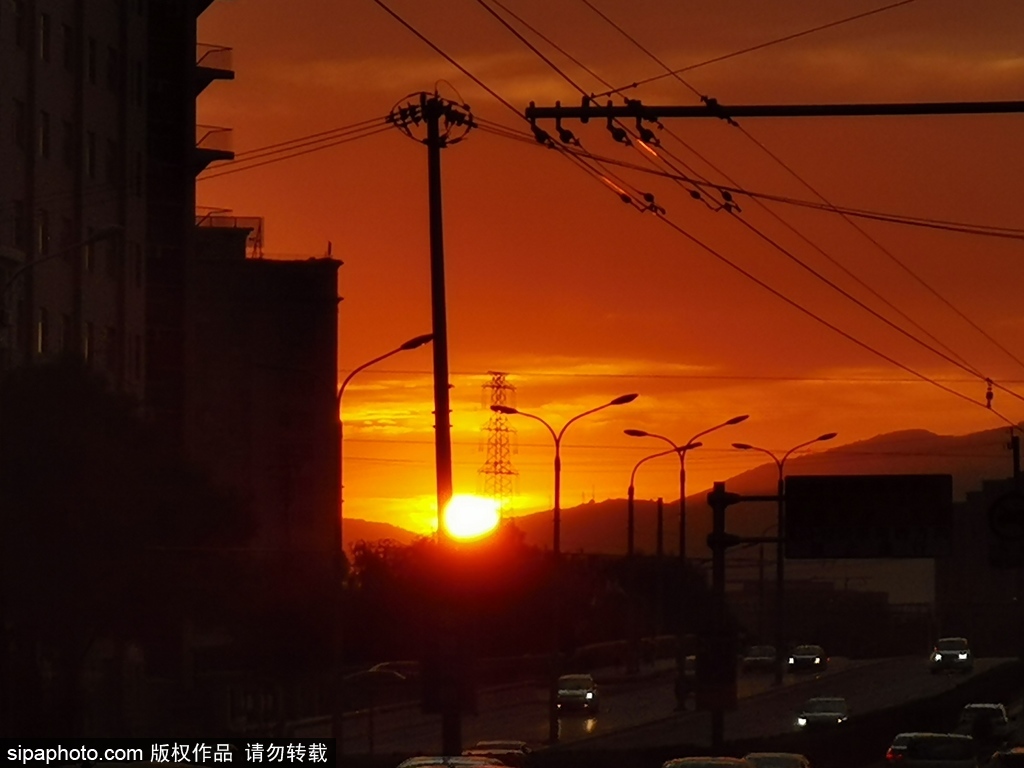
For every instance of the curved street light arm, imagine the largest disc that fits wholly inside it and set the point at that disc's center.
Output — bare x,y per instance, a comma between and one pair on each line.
729,423
632,477
577,417
363,367
548,426
795,448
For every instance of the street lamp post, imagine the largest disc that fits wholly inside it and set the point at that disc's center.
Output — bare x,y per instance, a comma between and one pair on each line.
780,555
338,714
557,542
681,450
632,661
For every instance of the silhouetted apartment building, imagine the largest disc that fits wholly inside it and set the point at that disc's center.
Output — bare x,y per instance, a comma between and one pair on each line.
264,418
73,203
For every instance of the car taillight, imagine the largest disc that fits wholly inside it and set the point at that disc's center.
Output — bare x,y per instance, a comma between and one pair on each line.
892,756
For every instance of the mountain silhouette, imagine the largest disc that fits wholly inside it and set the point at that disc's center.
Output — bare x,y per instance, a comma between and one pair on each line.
600,526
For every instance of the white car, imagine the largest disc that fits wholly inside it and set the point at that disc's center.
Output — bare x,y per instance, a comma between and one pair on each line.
578,692
823,712
952,653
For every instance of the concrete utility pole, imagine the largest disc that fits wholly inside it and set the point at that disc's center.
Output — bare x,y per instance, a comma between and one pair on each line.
446,123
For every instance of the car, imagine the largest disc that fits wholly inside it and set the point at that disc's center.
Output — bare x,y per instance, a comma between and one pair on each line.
578,692
932,750
823,712
1008,758
778,760
758,658
707,762
987,723
807,658
450,761
510,752
951,653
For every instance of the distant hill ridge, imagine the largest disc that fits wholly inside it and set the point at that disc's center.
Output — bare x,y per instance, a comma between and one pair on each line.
600,527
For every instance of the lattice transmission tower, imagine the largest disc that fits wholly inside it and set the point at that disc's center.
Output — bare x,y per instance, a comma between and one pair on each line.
499,474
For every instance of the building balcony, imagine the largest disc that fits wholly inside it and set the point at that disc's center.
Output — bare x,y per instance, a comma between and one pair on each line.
213,144
223,219
213,62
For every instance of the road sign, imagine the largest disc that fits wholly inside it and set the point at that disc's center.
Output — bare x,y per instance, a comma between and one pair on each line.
868,516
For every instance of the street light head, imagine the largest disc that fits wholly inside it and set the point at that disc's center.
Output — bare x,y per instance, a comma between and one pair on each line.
826,436
636,432
738,419
506,409
742,446
623,399
419,341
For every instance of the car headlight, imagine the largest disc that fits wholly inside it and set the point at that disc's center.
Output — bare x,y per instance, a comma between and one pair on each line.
801,721
841,719
817,660
792,660
937,657
590,695
963,656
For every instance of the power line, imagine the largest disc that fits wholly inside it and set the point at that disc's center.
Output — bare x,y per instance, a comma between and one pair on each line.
661,216
758,47
807,184
364,135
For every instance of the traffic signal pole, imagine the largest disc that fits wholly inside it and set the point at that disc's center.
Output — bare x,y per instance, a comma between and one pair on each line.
716,659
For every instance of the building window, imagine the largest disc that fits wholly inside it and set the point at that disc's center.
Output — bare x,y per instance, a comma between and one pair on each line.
20,24
44,134
112,159
138,174
113,258
89,250
88,344
137,362
91,60
137,264
113,69
44,36
139,83
43,232
67,42
68,144
20,124
110,349
42,332
64,342
90,154
20,224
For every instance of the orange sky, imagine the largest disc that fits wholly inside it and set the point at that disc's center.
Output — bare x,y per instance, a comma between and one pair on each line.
580,298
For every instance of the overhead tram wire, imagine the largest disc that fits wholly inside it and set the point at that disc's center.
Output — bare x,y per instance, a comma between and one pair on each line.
951,359
967,228
758,47
697,241
805,183
790,255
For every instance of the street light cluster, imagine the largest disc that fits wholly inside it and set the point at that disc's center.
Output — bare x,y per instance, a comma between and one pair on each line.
679,449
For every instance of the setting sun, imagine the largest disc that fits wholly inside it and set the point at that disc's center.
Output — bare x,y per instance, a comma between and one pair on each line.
470,517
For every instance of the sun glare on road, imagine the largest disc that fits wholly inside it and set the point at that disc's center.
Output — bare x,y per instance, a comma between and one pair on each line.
470,517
